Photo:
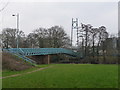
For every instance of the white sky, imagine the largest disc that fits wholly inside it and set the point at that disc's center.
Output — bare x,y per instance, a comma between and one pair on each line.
46,14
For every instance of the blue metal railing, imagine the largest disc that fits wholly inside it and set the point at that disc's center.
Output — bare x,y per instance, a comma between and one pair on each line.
16,53
42,51
23,52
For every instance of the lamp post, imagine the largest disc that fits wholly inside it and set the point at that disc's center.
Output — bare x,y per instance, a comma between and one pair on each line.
17,15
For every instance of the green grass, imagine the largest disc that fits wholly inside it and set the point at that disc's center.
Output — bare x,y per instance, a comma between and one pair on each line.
0,79
9,72
67,76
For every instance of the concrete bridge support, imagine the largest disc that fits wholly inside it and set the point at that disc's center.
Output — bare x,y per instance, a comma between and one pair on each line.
41,59
48,59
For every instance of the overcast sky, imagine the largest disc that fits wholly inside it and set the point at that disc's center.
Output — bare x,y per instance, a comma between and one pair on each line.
46,14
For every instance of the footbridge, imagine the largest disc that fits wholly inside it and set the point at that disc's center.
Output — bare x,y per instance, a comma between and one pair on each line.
42,51
23,52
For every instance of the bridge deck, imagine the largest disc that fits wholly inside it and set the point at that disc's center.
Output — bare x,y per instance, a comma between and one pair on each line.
42,51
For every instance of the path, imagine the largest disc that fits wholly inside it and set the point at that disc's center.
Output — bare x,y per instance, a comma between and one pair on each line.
25,73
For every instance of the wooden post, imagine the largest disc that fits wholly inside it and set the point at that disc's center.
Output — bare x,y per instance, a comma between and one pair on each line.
48,59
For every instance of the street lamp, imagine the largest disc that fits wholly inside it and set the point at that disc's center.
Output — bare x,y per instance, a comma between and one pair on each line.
17,15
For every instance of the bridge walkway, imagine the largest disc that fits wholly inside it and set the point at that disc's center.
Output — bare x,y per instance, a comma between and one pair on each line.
23,52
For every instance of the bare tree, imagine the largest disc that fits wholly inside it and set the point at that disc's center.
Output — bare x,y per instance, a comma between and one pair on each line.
9,37
93,39
54,37
94,32
102,36
41,35
58,37
86,29
31,40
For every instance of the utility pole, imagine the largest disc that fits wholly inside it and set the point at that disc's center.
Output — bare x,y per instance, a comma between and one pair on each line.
74,26
17,15
77,31
72,32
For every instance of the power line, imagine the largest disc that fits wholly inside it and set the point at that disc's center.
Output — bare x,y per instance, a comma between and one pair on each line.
4,7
